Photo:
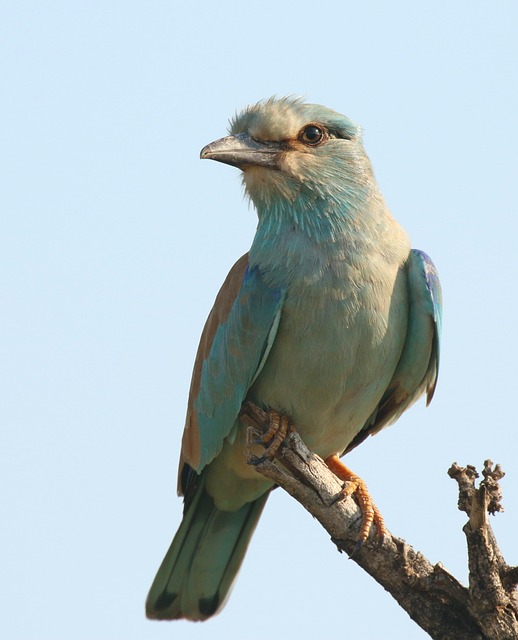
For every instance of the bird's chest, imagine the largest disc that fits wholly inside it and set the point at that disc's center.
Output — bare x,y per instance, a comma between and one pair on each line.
339,340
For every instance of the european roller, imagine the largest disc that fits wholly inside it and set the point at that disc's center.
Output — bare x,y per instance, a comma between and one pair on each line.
330,323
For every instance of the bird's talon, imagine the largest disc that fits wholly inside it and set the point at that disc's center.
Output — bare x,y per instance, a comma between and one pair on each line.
253,459
358,547
348,489
272,436
257,460
355,486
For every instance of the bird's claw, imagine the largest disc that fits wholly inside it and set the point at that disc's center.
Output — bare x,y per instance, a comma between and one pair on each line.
279,428
356,487
267,428
358,547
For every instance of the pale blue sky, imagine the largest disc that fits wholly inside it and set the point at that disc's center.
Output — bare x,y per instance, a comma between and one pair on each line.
114,239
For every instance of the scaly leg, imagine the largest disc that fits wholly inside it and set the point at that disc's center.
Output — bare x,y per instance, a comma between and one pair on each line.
356,487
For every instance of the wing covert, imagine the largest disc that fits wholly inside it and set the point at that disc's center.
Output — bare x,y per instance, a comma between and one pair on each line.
235,342
418,367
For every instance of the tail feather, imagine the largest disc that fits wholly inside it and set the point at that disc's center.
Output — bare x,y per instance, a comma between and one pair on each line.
196,575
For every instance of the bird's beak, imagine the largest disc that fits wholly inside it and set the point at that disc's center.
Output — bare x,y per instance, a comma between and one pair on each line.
243,151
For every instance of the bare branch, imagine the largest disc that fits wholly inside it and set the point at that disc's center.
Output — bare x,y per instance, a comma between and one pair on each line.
493,598
433,598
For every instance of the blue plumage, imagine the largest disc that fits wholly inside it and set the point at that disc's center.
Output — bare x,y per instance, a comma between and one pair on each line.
331,319
235,359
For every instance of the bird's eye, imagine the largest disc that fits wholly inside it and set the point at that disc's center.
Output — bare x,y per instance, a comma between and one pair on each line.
312,134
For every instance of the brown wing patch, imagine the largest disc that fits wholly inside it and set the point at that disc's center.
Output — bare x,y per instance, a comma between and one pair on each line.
219,313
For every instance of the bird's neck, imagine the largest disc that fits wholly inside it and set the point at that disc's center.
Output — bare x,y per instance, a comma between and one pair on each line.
304,234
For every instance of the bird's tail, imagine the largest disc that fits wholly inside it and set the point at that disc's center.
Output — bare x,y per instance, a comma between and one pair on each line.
203,560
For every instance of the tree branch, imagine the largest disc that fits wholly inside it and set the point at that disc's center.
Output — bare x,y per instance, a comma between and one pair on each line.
433,598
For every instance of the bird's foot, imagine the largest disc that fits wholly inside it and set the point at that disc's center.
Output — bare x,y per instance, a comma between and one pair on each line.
268,428
357,488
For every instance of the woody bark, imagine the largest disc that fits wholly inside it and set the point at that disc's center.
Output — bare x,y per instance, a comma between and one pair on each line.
487,609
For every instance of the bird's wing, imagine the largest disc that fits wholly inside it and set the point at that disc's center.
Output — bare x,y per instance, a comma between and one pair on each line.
235,342
418,366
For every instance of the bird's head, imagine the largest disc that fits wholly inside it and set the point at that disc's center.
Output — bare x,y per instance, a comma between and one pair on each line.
289,150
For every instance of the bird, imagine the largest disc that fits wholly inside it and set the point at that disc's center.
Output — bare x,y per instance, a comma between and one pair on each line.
330,323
